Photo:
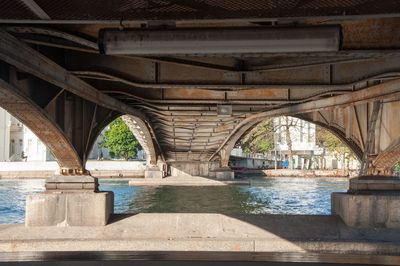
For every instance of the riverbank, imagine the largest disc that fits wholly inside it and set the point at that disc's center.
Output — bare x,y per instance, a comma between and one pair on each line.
135,169
206,232
100,169
297,173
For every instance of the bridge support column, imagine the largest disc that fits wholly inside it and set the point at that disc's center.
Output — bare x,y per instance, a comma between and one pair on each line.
372,201
223,173
69,201
153,171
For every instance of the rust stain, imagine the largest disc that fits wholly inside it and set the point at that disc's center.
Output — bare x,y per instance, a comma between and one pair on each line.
371,34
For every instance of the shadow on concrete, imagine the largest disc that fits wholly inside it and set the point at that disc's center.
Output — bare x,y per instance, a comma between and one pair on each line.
114,218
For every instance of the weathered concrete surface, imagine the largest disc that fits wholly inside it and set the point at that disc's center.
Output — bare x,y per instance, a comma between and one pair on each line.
185,181
224,174
153,174
368,210
206,232
375,183
192,168
69,208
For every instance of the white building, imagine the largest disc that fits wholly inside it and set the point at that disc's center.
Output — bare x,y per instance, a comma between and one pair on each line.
17,142
34,149
4,135
306,153
302,136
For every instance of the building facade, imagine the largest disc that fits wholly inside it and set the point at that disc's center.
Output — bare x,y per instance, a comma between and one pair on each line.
306,154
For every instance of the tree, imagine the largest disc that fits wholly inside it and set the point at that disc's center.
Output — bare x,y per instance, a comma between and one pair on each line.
260,139
120,140
397,168
334,146
289,123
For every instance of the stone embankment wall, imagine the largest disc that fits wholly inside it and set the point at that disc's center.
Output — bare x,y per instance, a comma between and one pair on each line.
309,173
101,169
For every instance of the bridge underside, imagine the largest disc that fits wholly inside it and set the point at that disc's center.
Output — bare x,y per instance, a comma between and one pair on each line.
194,76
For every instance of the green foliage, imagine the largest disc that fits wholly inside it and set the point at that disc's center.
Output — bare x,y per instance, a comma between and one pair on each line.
260,139
332,143
397,167
120,140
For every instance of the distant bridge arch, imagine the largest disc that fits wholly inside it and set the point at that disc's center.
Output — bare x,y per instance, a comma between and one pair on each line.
351,123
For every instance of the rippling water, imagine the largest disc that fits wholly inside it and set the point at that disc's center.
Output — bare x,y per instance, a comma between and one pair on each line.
273,195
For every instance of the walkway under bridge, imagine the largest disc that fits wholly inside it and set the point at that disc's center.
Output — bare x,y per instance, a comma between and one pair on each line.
191,78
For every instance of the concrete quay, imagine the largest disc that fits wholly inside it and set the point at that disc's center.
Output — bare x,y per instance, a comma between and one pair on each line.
99,169
206,232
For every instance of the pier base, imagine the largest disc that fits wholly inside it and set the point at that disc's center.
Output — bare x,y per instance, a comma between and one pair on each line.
69,201
371,202
153,172
222,173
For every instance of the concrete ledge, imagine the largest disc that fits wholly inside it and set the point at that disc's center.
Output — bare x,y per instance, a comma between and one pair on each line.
222,173
153,174
69,209
307,173
367,210
205,232
375,183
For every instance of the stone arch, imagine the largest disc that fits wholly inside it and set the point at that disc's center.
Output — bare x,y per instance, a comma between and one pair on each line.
30,114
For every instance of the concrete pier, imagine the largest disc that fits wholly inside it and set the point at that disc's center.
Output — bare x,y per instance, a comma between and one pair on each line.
153,172
69,201
371,202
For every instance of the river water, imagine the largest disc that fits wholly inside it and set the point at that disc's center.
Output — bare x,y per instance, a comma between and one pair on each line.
266,196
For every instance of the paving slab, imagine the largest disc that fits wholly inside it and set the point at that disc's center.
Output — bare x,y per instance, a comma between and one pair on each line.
205,232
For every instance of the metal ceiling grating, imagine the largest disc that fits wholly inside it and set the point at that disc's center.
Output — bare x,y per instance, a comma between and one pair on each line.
194,9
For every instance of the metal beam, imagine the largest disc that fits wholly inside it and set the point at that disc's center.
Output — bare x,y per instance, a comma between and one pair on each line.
29,113
389,90
369,145
36,9
27,59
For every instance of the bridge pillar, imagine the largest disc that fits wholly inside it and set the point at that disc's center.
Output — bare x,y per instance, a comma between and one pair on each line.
371,201
153,171
222,173
70,201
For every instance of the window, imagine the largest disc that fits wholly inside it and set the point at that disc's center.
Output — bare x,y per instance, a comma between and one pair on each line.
12,147
29,149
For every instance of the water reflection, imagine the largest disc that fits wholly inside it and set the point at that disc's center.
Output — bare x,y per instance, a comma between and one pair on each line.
12,198
274,196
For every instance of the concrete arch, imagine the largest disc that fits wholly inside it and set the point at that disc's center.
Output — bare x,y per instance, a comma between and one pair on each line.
30,114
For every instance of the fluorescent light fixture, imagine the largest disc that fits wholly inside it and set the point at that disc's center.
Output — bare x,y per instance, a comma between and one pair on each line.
221,41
